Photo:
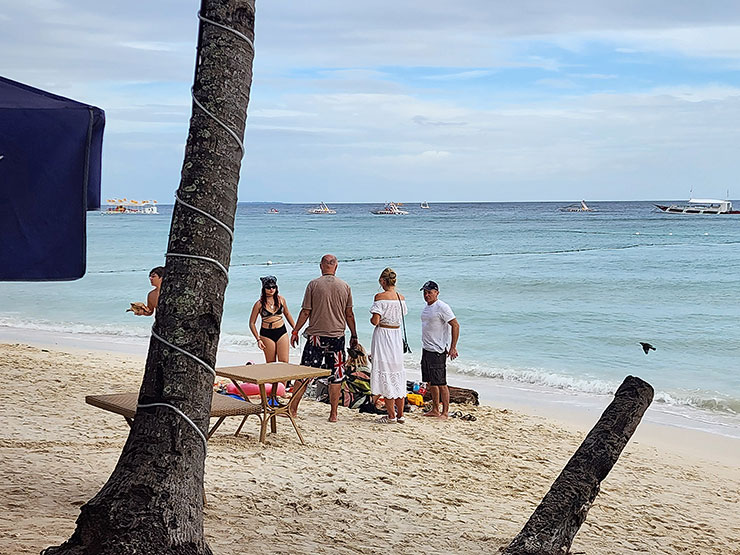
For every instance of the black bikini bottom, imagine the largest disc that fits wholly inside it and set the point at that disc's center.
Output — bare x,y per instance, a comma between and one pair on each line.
273,334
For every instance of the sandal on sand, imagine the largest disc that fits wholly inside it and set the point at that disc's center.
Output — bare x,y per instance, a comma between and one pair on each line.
469,418
400,420
457,414
386,420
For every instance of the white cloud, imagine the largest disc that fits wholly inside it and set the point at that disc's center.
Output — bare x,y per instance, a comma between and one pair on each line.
556,83
461,75
698,41
331,90
593,75
279,113
151,46
702,93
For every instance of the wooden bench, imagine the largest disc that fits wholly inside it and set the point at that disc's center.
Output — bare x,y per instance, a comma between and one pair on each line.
221,407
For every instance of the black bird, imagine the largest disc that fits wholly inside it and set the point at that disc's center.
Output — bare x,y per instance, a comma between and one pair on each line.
647,347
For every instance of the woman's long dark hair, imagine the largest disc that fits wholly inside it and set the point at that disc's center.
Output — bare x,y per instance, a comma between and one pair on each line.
275,297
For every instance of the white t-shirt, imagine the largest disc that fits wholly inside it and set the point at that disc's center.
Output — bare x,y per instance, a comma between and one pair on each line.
435,327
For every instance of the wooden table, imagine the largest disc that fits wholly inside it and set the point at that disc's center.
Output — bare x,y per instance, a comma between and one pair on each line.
273,372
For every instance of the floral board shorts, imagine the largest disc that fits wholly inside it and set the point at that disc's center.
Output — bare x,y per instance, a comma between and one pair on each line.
325,352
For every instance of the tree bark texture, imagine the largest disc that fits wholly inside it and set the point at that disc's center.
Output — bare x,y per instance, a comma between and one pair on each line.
553,525
153,500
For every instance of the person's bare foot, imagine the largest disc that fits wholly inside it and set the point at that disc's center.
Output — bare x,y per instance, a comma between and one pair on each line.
443,416
432,413
332,418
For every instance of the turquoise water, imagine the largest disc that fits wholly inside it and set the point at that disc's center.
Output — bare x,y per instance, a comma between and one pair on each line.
543,297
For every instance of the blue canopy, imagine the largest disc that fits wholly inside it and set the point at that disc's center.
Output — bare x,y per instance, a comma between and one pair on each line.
50,158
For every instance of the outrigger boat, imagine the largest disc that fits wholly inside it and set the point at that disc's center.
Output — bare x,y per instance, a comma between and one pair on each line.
700,206
322,208
390,209
125,206
582,207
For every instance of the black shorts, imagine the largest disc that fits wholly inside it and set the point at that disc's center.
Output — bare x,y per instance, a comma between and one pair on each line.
273,334
434,367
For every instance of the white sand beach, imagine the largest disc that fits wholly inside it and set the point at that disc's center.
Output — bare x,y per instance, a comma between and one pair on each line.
427,486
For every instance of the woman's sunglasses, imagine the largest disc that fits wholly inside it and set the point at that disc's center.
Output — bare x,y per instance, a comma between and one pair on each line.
270,286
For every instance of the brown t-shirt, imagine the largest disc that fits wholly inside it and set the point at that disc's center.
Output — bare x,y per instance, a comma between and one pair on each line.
327,297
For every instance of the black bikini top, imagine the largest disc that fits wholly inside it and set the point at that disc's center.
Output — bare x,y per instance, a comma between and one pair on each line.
266,313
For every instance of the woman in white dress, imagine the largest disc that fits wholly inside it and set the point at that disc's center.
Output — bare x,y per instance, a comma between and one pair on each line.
388,376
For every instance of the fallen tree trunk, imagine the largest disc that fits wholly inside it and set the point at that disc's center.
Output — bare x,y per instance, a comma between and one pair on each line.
460,395
554,524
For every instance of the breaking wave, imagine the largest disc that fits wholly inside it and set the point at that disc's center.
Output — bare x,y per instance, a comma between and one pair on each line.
704,400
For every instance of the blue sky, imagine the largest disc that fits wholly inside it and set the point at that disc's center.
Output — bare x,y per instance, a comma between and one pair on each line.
372,101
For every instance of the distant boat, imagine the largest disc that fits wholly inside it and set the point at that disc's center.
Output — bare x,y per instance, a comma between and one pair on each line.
582,207
390,209
700,206
273,211
322,208
424,204
125,206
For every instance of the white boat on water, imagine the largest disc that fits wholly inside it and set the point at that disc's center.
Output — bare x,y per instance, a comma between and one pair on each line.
582,207
699,206
322,208
125,206
424,204
390,209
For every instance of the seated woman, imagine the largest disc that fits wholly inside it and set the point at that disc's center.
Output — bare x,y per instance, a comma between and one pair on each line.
152,299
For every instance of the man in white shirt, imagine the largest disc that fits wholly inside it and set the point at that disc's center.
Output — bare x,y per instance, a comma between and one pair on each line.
439,333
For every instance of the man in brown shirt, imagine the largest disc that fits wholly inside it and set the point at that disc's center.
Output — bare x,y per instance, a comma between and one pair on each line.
327,306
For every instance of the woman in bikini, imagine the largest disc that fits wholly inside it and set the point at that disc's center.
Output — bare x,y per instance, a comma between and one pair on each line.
272,337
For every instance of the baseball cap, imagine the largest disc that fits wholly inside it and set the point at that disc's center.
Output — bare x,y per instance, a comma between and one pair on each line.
268,280
429,285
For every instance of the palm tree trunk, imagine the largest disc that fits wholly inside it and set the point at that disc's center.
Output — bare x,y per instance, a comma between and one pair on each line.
153,500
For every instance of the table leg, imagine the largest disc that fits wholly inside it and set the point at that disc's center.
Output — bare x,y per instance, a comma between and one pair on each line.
272,399
267,415
263,418
301,389
292,421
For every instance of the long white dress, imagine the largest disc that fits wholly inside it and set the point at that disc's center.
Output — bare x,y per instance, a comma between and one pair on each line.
388,376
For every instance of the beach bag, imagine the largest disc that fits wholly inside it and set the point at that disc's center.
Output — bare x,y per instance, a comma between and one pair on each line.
369,407
406,348
322,390
355,389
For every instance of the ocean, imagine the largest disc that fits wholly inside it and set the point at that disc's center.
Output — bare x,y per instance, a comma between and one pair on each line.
547,301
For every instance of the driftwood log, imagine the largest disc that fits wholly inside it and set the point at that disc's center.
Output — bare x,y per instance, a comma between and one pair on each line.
553,525
460,395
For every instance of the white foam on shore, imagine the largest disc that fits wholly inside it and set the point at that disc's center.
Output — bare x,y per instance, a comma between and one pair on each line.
712,402
234,346
109,331
126,344
535,391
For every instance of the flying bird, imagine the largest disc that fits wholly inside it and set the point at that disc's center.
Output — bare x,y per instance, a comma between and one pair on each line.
647,347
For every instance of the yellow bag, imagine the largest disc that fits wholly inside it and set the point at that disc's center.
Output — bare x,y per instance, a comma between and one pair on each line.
415,399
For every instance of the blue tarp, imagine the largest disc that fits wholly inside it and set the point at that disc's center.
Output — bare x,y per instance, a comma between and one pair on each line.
50,159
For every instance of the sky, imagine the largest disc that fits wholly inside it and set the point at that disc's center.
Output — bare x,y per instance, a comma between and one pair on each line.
410,100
